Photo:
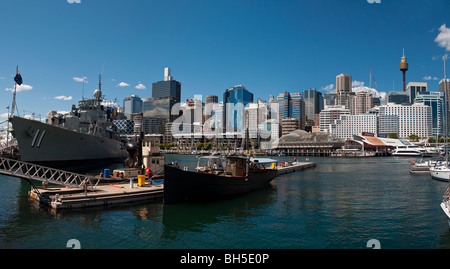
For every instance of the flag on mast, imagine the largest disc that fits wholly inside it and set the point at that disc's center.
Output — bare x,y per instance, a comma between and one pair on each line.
18,77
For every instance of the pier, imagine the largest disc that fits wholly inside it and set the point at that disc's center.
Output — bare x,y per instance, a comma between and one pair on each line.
104,196
291,167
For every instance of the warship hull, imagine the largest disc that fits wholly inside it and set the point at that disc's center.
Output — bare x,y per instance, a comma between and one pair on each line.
58,147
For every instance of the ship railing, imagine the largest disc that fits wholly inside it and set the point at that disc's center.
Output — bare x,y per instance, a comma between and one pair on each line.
446,196
46,174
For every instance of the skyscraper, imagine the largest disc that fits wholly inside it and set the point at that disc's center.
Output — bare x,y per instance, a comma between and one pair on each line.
344,90
132,104
234,100
343,83
362,102
436,100
313,103
292,105
167,87
414,88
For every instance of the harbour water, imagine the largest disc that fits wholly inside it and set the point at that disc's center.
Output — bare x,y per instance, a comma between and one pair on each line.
340,204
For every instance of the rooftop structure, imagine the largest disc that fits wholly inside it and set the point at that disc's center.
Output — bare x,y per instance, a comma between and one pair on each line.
300,139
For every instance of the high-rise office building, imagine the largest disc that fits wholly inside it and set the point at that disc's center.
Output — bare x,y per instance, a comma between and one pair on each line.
329,99
344,91
414,88
313,103
362,102
291,105
167,87
329,115
132,104
397,98
235,99
443,85
343,83
436,100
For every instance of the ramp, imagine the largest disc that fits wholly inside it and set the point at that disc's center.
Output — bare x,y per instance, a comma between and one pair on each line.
41,173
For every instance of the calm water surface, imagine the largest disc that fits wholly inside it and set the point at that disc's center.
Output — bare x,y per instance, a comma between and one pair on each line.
342,203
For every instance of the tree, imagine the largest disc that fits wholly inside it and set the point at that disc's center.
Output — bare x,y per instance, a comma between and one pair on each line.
393,135
413,137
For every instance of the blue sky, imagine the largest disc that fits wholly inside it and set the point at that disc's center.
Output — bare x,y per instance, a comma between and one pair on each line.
267,46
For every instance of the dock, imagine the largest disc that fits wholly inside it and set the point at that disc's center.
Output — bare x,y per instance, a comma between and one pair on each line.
291,167
105,195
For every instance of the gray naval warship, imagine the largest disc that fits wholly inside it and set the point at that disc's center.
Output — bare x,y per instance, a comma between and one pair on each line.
85,137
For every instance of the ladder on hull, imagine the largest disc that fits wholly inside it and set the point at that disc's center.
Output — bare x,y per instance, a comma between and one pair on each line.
41,173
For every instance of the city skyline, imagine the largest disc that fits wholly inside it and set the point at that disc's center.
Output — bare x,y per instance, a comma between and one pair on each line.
267,47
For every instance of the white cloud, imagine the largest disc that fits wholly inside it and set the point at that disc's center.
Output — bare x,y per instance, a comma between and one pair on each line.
65,98
123,84
443,38
358,86
430,78
328,89
21,88
4,115
80,79
140,86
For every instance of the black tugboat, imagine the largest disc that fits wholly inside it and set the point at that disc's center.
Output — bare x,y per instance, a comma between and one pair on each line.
213,180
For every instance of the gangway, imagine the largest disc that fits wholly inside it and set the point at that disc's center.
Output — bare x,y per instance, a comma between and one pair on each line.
41,173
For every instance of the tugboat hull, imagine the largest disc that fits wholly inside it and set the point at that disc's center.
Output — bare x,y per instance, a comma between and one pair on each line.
180,185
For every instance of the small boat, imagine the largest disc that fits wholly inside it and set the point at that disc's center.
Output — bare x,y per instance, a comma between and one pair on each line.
423,166
445,204
430,152
440,171
212,180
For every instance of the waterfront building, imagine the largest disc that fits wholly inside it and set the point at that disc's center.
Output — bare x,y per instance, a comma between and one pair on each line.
300,141
235,99
313,103
329,115
167,87
397,98
414,88
436,100
362,102
132,104
289,125
412,119
349,125
387,124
